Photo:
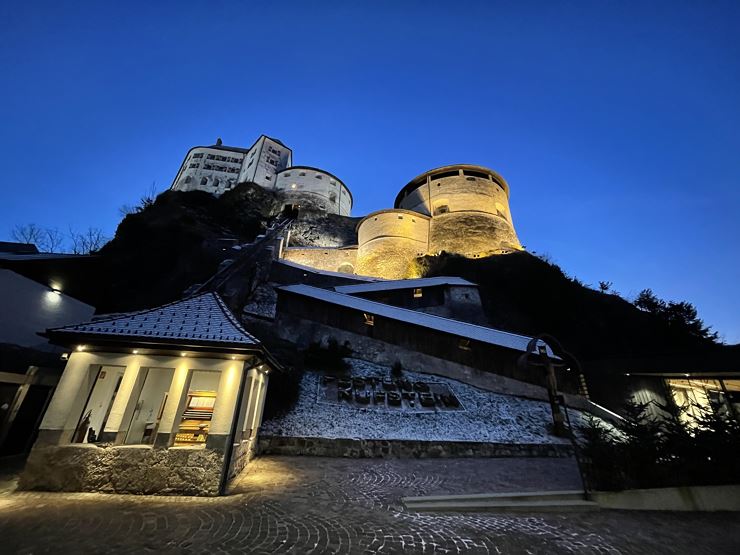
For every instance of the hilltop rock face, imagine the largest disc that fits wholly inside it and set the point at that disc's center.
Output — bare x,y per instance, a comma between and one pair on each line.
319,229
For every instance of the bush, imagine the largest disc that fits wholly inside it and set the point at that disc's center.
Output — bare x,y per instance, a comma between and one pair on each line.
282,392
329,358
648,452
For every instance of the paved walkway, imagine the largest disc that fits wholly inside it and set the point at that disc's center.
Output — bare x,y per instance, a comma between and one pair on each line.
317,505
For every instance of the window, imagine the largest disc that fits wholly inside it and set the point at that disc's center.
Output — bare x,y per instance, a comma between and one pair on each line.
268,177
194,165
318,176
216,182
198,155
302,173
369,319
464,344
103,382
473,173
417,293
155,385
287,174
441,209
333,198
400,217
204,181
210,157
188,179
442,175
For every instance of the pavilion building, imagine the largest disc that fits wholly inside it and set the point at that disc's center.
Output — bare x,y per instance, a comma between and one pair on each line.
166,400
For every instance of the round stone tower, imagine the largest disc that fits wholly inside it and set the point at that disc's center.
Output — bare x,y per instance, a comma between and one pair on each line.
388,242
469,210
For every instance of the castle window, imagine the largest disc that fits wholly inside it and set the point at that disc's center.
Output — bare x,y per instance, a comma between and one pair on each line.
318,176
302,173
204,181
216,182
287,174
417,293
454,173
268,177
369,319
198,155
333,197
188,179
400,217
332,182
473,173
441,209
464,344
194,165
210,157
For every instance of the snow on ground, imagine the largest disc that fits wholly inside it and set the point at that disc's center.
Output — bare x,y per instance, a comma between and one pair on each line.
488,417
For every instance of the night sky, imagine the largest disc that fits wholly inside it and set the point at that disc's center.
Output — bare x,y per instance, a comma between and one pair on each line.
616,124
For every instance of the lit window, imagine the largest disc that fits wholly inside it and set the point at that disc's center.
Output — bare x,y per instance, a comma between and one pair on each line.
464,344
417,293
369,319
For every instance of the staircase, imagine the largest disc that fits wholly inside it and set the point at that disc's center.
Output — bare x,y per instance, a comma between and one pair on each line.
532,501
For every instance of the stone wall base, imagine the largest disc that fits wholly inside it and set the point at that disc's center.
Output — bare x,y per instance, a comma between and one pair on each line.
123,469
397,448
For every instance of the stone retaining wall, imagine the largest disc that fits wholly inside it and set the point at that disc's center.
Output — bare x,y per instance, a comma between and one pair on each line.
119,469
393,448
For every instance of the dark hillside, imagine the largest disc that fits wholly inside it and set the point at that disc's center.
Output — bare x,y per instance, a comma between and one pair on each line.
522,293
164,248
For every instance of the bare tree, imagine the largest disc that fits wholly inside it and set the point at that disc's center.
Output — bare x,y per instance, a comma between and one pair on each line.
604,286
52,240
147,199
27,233
85,242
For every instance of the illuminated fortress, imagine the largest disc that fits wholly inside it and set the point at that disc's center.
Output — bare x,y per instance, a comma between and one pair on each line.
461,209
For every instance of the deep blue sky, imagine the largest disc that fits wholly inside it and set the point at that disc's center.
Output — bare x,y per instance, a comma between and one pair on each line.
616,124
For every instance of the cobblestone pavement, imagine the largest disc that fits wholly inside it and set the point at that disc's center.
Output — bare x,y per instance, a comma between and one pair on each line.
318,505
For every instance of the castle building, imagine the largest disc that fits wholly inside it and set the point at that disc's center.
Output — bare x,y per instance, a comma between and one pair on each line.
461,209
268,163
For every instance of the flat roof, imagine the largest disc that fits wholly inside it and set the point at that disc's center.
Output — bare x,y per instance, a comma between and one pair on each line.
454,327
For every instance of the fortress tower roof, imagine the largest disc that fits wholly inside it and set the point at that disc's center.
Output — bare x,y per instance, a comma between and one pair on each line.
448,171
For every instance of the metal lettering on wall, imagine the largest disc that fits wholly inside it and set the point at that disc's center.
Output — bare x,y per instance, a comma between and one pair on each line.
388,393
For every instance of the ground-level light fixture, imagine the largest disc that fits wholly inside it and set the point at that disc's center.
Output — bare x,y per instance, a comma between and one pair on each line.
183,354
135,351
81,347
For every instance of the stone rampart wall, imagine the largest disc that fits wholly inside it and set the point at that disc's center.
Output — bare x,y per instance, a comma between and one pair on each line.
331,260
396,448
471,234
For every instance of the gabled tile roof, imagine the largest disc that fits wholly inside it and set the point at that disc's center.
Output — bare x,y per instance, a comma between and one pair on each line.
403,284
202,319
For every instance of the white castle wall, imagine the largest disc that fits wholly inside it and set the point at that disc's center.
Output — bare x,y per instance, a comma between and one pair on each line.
311,187
214,170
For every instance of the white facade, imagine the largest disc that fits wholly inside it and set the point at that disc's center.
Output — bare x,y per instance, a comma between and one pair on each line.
316,188
268,163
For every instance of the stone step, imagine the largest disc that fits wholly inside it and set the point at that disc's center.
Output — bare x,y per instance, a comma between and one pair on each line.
505,506
543,495
571,500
